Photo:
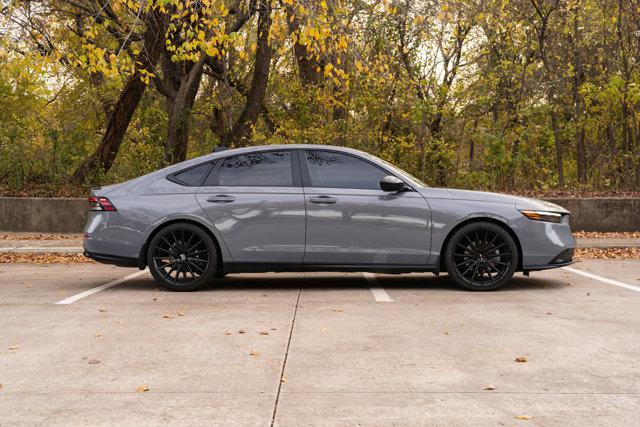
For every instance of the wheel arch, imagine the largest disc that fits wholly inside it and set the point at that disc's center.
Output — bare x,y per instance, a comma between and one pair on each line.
159,227
495,221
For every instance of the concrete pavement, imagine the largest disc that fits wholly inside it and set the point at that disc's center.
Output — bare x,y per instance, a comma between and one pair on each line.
319,348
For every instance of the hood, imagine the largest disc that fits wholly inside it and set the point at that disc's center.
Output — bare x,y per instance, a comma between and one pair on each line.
487,197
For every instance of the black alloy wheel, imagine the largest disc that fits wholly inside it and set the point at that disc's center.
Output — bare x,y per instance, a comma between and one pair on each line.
182,257
481,256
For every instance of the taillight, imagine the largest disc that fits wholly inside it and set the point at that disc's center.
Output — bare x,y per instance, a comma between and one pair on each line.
100,204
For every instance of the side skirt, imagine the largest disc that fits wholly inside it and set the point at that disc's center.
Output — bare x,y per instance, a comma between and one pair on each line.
259,267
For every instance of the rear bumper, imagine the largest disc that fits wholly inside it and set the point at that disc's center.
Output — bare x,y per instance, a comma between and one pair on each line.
114,260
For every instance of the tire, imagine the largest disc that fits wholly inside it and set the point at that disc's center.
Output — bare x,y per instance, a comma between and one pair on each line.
188,252
481,256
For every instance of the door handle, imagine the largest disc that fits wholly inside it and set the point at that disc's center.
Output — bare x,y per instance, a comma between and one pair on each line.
222,198
323,200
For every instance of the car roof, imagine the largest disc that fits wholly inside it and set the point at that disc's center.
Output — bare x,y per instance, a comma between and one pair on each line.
253,149
232,151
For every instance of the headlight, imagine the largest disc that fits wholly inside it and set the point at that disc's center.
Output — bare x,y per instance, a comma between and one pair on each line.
543,215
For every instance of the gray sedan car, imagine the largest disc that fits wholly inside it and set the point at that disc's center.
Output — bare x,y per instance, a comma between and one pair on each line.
317,208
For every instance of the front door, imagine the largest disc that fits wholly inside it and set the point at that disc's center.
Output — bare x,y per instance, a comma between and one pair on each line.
257,206
350,220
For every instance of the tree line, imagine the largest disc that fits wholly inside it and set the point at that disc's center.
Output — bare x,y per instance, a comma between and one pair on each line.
492,94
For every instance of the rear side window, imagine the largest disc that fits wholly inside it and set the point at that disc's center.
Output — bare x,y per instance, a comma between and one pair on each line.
268,169
336,170
192,177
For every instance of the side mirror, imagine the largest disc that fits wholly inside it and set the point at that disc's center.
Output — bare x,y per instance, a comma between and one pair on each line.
391,183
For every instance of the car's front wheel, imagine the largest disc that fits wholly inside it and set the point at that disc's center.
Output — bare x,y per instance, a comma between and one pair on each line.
481,256
182,257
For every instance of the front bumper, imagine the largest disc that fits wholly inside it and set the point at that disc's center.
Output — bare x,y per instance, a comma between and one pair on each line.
563,259
544,244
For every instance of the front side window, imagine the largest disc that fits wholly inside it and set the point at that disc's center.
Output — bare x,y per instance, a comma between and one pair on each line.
268,169
336,170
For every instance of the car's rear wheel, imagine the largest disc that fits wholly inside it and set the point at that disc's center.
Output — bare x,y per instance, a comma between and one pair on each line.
481,256
182,257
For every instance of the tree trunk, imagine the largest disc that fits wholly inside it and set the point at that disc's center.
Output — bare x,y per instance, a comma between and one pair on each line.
179,107
578,104
107,150
422,136
559,149
581,155
472,146
241,132
309,68
626,132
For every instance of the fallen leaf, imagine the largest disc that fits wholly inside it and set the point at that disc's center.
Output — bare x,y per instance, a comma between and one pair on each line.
606,253
180,313
489,387
14,347
44,258
253,353
264,333
93,361
51,236
142,389
521,359
523,417
596,234
167,316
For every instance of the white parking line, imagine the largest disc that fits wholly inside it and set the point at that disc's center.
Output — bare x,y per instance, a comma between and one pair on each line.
603,279
97,289
378,293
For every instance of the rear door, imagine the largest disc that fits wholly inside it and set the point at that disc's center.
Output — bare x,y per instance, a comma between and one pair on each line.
255,201
350,220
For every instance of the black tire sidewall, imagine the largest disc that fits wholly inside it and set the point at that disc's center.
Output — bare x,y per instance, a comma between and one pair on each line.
205,278
481,225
